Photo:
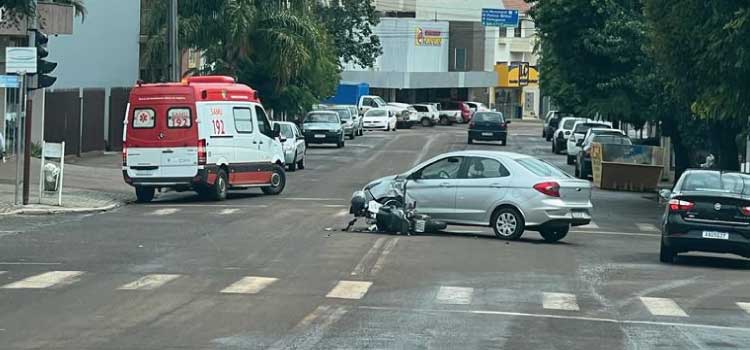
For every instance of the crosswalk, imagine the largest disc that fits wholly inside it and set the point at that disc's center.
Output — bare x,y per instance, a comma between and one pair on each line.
459,296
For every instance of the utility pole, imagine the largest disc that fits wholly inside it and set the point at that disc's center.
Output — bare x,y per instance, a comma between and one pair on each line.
172,40
31,30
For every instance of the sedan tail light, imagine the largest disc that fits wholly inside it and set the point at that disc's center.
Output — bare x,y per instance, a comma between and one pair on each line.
745,211
549,188
676,205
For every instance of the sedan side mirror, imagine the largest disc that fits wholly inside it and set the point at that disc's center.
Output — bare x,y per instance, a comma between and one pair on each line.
507,121
282,139
665,194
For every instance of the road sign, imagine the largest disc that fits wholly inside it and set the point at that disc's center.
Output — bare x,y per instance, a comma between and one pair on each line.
20,60
9,81
499,18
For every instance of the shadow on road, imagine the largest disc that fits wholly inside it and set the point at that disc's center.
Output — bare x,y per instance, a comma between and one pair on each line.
464,235
719,262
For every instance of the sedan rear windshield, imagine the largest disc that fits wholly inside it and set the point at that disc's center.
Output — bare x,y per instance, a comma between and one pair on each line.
321,118
376,113
344,114
569,124
717,182
488,117
583,128
541,168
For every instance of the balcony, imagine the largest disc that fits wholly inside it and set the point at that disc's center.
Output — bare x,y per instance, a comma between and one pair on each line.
518,44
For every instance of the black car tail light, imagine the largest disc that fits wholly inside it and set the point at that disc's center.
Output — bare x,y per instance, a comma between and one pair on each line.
677,205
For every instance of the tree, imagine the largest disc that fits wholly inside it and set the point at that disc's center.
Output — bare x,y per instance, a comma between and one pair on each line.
350,25
704,49
26,7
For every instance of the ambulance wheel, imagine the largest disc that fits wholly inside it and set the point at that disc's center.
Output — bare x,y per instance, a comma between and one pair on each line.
219,189
144,194
278,182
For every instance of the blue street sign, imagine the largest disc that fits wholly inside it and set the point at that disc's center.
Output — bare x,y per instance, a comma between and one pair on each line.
499,18
9,81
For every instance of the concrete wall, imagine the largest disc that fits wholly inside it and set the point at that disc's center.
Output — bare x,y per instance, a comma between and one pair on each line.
103,51
471,37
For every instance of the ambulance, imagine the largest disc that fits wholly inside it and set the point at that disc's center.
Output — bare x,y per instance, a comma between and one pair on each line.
207,134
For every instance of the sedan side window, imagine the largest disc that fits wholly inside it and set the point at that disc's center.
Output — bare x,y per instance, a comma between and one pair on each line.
485,168
442,169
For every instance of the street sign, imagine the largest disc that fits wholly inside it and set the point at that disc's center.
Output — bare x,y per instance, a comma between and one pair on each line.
500,18
20,60
9,81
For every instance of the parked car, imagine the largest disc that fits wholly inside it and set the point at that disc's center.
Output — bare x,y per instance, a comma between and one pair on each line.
293,144
215,138
488,126
477,107
454,112
547,118
380,118
509,192
564,130
427,114
579,132
707,211
356,117
347,121
551,125
323,127
583,161
371,101
408,115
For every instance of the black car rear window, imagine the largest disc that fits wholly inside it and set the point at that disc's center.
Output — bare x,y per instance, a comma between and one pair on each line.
488,117
717,182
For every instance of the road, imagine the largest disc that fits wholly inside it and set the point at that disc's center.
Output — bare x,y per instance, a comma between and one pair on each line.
259,272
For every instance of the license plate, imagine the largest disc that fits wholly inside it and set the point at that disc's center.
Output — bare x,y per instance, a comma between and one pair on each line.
486,134
144,173
578,215
319,136
715,235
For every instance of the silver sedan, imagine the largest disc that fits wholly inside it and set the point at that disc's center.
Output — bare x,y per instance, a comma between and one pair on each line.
507,191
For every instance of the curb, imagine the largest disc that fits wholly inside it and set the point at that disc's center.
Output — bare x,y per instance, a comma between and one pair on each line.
51,211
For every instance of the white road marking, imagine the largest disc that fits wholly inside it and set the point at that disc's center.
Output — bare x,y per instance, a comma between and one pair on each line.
359,269
334,206
454,295
383,255
425,149
308,333
2,272
591,225
646,227
165,211
619,233
562,317
342,213
744,306
349,290
228,211
249,285
45,280
29,263
149,282
560,301
663,307
179,205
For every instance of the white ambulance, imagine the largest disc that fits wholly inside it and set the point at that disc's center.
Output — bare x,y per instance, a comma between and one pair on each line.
207,134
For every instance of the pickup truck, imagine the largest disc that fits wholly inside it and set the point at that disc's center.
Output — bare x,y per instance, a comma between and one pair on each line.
402,113
455,112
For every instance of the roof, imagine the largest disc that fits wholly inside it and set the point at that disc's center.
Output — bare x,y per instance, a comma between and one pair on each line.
519,5
200,88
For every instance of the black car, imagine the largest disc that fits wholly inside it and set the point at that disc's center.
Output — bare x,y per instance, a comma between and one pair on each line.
708,211
583,160
488,126
551,126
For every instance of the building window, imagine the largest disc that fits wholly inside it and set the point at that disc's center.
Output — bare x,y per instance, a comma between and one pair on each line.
459,59
517,32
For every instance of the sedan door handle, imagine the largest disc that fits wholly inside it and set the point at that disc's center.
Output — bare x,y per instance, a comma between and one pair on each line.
445,184
255,142
261,142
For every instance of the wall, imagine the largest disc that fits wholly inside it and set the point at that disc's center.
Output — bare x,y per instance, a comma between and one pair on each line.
454,10
103,52
469,36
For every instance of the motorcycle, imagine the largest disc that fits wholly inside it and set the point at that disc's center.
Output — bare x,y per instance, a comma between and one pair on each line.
391,212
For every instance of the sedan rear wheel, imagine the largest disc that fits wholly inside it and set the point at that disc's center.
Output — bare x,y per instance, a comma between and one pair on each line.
508,223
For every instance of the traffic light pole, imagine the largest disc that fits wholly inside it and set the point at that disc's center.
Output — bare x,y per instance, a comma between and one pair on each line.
33,26
173,41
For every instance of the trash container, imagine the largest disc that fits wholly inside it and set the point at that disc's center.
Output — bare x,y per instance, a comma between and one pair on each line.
51,172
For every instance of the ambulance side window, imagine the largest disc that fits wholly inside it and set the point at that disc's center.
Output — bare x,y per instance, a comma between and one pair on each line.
264,126
243,120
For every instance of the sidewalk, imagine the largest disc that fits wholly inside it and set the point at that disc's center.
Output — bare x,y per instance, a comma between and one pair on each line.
90,184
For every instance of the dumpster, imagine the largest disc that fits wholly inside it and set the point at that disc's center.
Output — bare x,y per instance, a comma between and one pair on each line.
626,167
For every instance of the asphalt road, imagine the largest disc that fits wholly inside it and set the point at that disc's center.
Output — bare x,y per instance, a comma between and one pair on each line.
259,272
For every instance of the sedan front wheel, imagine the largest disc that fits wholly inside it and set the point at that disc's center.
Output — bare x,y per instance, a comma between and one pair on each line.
508,223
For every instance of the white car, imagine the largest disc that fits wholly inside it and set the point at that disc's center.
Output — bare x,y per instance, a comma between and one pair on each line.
564,130
477,107
293,144
380,118
406,115
428,114
579,133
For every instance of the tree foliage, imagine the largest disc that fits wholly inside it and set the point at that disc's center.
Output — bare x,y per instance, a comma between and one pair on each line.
350,25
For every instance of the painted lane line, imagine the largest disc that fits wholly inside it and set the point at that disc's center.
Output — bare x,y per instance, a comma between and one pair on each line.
335,206
349,290
646,227
663,307
744,306
210,205
2,272
46,280
359,269
149,282
249,285
454,295
610,233
29,263
561,317
425,149
342,213
229,211
383,255
560,301
165,211
311,329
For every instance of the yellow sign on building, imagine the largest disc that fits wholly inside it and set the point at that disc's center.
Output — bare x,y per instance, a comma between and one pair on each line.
516,75
428,37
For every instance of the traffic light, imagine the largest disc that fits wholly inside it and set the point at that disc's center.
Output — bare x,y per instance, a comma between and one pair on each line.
43,67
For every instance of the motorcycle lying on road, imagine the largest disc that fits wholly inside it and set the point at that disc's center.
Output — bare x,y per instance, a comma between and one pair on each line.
387,210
